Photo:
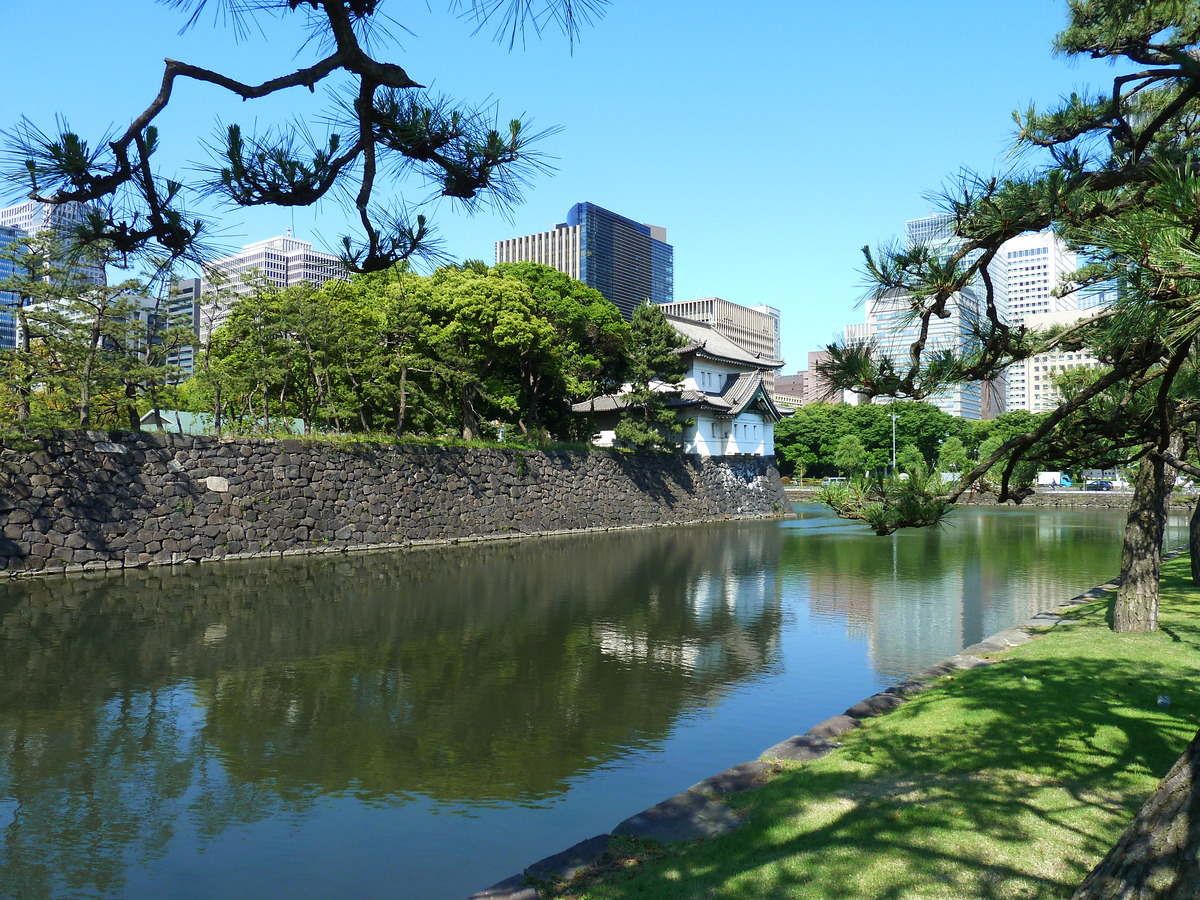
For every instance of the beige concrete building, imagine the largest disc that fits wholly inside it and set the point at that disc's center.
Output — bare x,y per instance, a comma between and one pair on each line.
1037,373
753,328
558,249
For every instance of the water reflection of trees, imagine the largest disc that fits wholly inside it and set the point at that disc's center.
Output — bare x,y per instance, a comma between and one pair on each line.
488,674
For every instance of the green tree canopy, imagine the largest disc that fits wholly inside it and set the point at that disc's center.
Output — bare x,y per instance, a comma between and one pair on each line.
850,456
952,456
810,435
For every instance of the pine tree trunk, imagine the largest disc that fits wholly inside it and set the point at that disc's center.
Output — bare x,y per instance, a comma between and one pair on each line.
1194,526
23,382
1136,609
1157,857
470,418
135,422
1194,542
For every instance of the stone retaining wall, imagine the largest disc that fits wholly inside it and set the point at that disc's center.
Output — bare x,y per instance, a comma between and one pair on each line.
93,500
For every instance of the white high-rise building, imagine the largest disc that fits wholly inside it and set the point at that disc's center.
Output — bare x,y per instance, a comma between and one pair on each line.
32,216
281,261
1038,264
893,329
24,220
1025,275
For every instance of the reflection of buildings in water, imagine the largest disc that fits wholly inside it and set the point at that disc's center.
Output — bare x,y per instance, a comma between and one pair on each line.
849,598
904,621
913,622
740,596
693,656
732,593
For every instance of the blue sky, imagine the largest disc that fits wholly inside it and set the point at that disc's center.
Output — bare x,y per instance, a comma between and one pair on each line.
772,141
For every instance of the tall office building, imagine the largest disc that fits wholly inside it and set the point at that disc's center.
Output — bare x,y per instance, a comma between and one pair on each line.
183,310
891,326
25,220
1024,273
8,300
1039,372
628,262
280,261
894,331
1037,264
32,217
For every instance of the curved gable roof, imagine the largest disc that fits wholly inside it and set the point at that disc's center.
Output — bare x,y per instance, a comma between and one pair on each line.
703,339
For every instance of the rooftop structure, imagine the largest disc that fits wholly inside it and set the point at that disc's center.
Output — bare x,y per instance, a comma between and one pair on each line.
753,328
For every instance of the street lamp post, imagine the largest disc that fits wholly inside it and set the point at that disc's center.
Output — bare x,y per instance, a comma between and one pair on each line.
893,417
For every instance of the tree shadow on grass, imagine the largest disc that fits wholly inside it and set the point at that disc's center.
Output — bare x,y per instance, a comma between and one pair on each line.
1011,781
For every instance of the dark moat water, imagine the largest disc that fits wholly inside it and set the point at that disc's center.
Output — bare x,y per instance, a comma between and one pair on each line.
422,724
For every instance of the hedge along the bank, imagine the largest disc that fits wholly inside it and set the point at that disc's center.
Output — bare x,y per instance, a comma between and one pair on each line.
91,500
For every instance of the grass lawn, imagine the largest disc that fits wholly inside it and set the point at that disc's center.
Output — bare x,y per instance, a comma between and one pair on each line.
1009,781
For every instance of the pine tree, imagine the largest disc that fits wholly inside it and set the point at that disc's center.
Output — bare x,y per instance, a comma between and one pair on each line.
382,121
656,371
1120,182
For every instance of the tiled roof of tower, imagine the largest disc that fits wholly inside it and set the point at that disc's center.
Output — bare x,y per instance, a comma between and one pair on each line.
738,393
703,339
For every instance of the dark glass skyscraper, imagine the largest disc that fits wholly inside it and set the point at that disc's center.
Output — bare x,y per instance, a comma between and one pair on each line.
626,261
8,301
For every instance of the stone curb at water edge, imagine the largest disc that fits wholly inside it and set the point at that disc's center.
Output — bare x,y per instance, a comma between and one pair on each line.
699,813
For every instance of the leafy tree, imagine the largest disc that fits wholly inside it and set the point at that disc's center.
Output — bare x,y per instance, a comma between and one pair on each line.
381,121
483,327
1119,182
952,456
909,459
148,375
656,372
251,359
850,456
36,281
388,359
84,351
587,357
810,435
